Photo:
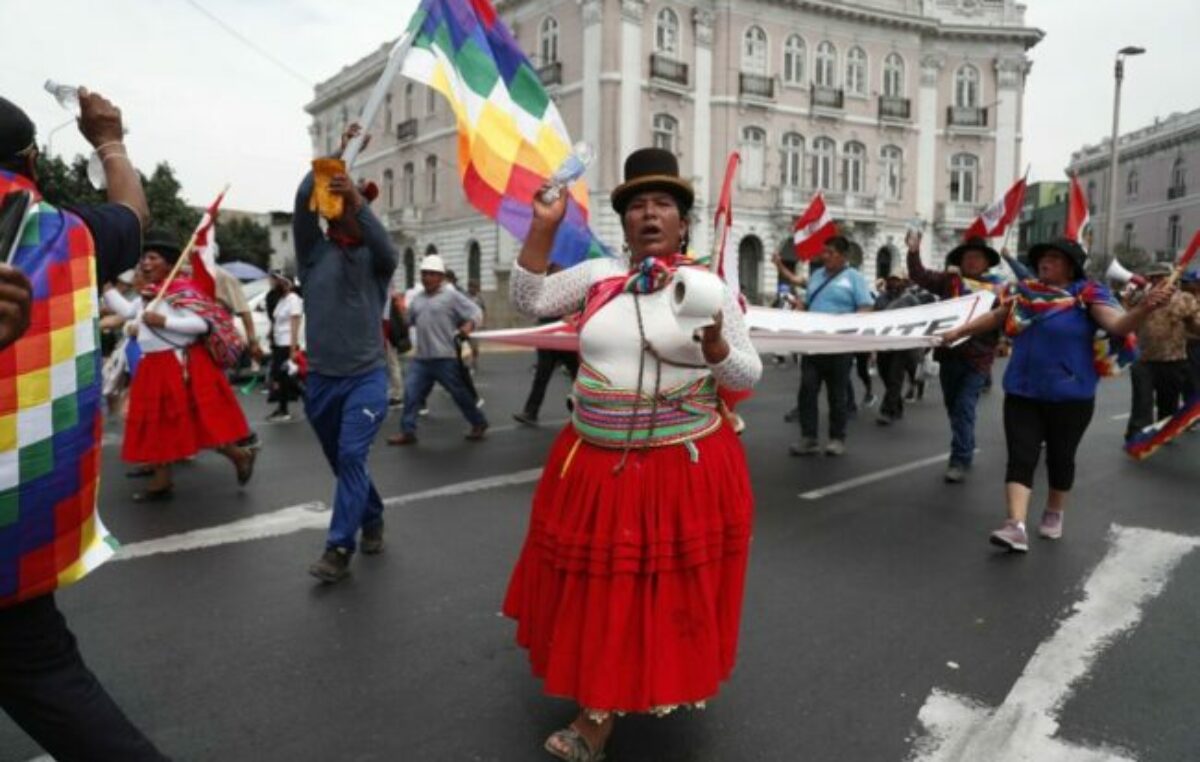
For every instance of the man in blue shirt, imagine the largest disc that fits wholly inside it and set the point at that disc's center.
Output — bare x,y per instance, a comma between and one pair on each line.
346,273
835,289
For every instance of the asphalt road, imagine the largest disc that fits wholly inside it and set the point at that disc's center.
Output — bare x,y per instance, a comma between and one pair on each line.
862,603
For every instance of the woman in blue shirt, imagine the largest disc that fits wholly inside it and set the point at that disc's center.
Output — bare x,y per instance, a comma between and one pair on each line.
1050,381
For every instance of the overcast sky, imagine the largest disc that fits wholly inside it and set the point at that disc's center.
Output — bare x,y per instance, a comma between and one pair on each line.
219,111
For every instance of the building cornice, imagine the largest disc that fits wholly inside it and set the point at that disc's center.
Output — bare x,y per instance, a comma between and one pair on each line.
1163,136
358,75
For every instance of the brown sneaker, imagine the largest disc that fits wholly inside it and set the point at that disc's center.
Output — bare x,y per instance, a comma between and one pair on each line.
477,433
403,438
372,540
332,566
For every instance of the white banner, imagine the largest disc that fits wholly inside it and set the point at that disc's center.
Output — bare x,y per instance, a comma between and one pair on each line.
785,331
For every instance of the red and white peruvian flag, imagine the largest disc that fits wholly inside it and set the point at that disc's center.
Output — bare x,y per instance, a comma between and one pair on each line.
813,229
996,218
1078,215
722,221
203,256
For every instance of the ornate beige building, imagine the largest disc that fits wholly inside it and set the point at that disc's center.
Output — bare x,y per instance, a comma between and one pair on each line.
896,109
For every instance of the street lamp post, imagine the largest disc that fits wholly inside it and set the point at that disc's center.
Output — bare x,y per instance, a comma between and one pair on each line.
1111,235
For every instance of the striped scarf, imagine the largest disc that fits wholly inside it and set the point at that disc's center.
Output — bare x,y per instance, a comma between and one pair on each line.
961,285
1031,302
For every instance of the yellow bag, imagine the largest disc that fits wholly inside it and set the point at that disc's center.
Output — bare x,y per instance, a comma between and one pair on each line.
323,202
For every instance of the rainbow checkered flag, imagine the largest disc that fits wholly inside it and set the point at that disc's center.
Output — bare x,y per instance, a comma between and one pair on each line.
511,137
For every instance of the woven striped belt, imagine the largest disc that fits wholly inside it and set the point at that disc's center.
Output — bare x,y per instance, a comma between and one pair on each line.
608,417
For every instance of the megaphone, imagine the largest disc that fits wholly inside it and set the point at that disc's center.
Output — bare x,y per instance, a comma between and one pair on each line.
1117,272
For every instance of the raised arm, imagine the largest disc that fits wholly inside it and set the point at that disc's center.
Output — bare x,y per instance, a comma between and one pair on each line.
727,349
930,280
1119,323
100,123
306,231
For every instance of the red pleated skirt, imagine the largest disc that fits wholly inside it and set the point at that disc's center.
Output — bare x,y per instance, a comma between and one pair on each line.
628,591
173,415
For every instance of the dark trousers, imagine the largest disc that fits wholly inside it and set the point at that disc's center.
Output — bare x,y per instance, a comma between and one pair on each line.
1028,423
962,384
419,381
893,368
51,694
283,385
346,412
1159,388
834,372
547,361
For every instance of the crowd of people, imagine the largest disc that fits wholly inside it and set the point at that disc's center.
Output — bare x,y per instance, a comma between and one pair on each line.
628,590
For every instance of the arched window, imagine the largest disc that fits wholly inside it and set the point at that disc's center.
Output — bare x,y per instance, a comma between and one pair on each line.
1174,233
431,96
754,51
824,151
408,180
893,76
854,167
891,172
1131,184
387,114
430,250
666,33
750,257
966,87
964,174
754,157
431,177
1091,196
474,263
794,54
826,64
409,113
410,268
856,71
389,187
1179,176
548,41
792,160
665,132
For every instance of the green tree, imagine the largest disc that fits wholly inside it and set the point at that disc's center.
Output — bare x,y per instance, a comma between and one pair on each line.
168,211
64,184
244,240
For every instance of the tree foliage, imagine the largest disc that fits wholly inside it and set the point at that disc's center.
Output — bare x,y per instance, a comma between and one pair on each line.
242,239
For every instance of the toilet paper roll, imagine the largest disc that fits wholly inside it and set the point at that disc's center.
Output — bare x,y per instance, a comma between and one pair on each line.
697,295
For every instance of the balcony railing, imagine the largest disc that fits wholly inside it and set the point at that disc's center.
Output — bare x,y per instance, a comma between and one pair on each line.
957,213
756,85
668,69
550,74
1176,191
795,198
403,216
406,130
966,116
893,107
827,97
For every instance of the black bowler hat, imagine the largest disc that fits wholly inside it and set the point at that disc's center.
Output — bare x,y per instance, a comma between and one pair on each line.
16,130
652,169
1071,249
954,258
163,243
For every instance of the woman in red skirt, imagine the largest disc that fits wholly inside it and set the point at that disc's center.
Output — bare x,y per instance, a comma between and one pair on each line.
628,591
180,402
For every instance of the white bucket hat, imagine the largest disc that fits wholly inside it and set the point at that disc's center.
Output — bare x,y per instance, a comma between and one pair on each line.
433,263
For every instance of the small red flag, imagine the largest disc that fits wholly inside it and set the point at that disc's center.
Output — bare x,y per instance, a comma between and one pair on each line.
203,257
1078,214
813,229
996,218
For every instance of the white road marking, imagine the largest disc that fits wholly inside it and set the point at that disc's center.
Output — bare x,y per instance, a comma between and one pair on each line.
296,518
1135,570
1119,416
874,476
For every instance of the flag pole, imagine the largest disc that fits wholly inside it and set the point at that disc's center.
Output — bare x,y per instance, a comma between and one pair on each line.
375,100
1008,230
182,256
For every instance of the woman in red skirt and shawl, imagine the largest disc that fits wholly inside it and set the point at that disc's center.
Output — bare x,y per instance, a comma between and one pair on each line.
180,402
628,591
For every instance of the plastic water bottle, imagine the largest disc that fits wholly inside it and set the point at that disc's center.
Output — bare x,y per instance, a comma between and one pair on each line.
569,171
66,95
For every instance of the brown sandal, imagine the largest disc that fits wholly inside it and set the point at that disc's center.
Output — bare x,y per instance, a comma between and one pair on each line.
577,747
